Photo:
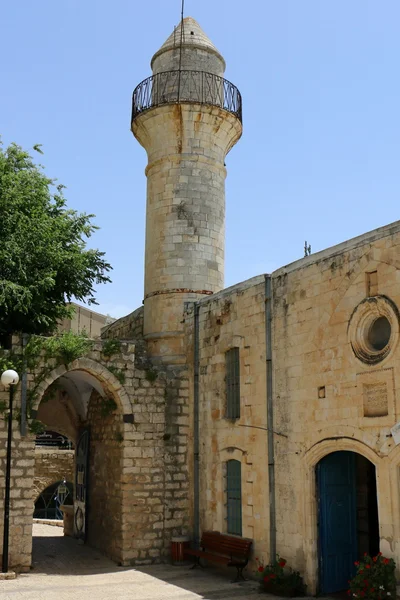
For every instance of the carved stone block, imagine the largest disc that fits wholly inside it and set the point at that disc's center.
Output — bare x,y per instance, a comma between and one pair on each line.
375,398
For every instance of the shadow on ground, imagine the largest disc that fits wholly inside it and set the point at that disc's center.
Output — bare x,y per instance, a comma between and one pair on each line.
59,556
208,583
63,567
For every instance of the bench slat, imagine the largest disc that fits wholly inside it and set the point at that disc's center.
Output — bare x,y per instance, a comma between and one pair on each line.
224,549
220,545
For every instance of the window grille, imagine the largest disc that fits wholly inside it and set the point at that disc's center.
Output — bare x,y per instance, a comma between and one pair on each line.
234,496
232,383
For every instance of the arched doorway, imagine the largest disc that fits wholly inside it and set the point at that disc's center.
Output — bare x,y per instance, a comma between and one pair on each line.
86,407
347,517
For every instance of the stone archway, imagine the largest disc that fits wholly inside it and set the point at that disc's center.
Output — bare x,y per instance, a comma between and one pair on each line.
97,372
140,419
312,457
89,396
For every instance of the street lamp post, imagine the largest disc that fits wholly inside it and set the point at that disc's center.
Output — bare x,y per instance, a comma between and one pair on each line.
8,379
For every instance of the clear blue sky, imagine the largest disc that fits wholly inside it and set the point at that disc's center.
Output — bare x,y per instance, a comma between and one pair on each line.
319,156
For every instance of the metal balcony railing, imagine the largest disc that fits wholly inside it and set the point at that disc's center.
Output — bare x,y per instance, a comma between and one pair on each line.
175,87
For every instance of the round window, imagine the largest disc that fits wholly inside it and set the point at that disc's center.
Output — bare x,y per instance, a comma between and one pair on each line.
379,333
374,329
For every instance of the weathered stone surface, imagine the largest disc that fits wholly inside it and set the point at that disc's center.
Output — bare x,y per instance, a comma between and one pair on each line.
313,301
186,146
128,469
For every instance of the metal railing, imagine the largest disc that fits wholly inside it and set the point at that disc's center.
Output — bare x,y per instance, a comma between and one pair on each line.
174,87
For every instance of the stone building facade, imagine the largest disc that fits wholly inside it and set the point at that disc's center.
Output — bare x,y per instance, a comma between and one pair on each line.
137,472
334,353
85,320
265,410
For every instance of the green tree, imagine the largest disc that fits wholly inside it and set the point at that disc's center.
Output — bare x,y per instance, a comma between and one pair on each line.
44,261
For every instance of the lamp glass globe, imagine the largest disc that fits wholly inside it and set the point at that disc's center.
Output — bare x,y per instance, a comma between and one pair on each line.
9,377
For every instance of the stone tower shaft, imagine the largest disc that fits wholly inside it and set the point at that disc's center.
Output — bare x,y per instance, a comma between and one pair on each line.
187,120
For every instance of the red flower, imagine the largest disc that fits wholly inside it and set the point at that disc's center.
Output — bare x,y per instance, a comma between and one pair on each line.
375,558
386,561
349,592
367,566
282,562
357,563
362,594
379,553
365,554
260,569
273,576
372,590
256,557
266,578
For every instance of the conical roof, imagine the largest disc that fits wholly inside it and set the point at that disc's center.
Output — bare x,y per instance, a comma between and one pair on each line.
193,35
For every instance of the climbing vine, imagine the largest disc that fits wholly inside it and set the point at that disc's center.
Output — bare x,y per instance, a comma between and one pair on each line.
110,347
151,375
36,427
67,347
42,355
119,374
107,406
119,437
51,352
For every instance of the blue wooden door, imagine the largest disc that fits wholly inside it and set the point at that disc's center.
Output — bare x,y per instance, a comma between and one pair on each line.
336,477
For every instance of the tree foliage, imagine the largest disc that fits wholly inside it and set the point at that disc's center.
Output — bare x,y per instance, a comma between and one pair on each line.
44,261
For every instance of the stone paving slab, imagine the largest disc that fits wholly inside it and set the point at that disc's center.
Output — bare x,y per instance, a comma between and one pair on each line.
65,570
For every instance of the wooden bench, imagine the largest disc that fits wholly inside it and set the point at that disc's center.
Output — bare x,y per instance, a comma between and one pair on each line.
226,550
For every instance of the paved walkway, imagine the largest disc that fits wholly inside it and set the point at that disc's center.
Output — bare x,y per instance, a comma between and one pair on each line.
65,570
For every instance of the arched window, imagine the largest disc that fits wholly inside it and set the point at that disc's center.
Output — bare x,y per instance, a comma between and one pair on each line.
234,496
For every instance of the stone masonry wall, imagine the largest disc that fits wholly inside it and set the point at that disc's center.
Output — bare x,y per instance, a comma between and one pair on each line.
325,396
185,215
105,467
233,318
197,51
22,471
21,502
129,327
140,457
155,484
52,465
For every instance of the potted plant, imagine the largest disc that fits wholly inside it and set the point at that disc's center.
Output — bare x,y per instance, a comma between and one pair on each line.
278,579
375,578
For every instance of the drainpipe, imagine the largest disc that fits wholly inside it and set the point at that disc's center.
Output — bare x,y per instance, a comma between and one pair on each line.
23,387
270,419
196,470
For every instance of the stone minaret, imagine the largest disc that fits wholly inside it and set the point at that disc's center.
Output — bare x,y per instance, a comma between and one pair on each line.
187,117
